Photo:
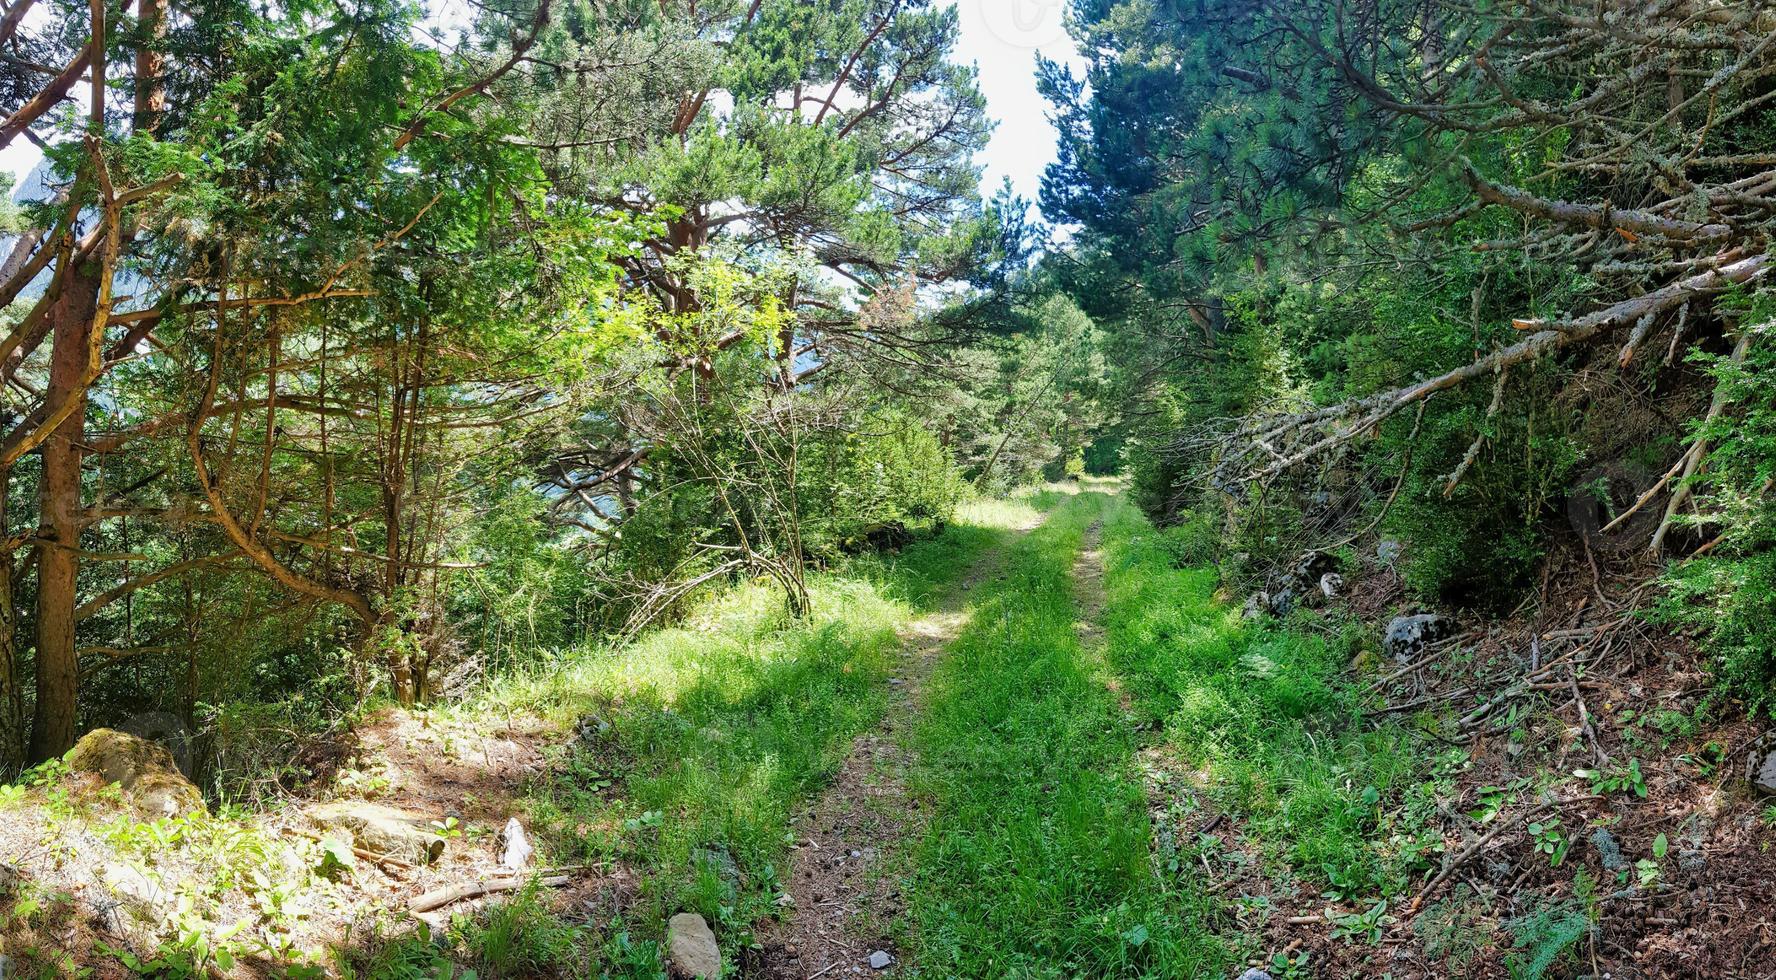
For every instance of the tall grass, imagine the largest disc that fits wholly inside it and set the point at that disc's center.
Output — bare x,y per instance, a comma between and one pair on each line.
1267,719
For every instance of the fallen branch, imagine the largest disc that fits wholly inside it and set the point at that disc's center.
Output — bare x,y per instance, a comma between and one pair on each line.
440,897
1467,854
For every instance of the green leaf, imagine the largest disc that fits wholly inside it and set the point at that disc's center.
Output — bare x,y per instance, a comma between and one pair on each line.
1660,846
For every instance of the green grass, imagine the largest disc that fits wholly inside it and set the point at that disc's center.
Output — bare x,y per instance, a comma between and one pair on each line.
1035,861
1266,719
704,738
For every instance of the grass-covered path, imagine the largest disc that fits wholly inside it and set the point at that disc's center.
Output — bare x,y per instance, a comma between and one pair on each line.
843,895
1034,859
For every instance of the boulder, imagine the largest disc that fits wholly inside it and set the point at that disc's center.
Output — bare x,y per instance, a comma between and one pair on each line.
385,830
1760,765
148,774
691,950
1408,636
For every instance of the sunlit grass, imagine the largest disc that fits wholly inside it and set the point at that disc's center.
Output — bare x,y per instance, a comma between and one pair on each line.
698,740
1035,862
1268,717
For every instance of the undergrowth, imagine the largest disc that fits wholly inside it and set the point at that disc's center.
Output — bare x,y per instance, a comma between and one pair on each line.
1263,723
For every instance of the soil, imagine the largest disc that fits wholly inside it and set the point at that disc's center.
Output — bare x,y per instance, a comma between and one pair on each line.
845,906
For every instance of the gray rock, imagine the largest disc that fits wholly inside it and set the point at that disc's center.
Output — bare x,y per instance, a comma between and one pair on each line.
133,886
1388,551
1254,974
1331,585
1408,636
1760,765
518,852
1283,602
1257,605
385,830
147,772
691,950
880,959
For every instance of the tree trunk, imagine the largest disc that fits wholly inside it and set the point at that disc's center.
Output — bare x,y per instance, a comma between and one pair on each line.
12,694
59,503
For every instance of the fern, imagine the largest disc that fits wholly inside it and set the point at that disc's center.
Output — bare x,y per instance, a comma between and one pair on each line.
1543,937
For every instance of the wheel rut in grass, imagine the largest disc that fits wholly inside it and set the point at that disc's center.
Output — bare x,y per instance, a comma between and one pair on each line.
1088,595
844,905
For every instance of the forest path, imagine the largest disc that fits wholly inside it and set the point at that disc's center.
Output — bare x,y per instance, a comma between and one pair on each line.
845,905
1089,597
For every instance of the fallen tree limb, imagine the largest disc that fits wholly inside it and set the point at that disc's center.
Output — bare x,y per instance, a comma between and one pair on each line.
1360,416
437,898
1467,854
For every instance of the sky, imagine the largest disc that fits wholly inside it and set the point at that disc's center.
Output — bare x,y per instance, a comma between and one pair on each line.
1003,37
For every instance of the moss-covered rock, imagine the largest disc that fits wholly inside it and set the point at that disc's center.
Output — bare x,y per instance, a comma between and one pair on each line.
145,770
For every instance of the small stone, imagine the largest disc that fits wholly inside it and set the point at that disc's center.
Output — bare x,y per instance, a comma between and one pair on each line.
880,959
1254,974
1408,636
691,949
895,682
1389,551
857,854
518,850
1331,585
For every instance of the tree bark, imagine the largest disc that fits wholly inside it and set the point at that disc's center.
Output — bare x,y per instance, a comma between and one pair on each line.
12,694
61,518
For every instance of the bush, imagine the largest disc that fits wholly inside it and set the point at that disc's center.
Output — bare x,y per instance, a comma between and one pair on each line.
1728,597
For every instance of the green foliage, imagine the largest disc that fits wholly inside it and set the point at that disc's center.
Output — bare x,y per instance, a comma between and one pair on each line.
1544,937
1727,598
1270,714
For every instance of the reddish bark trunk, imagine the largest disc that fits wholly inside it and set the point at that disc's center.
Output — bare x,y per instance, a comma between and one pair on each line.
59,503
